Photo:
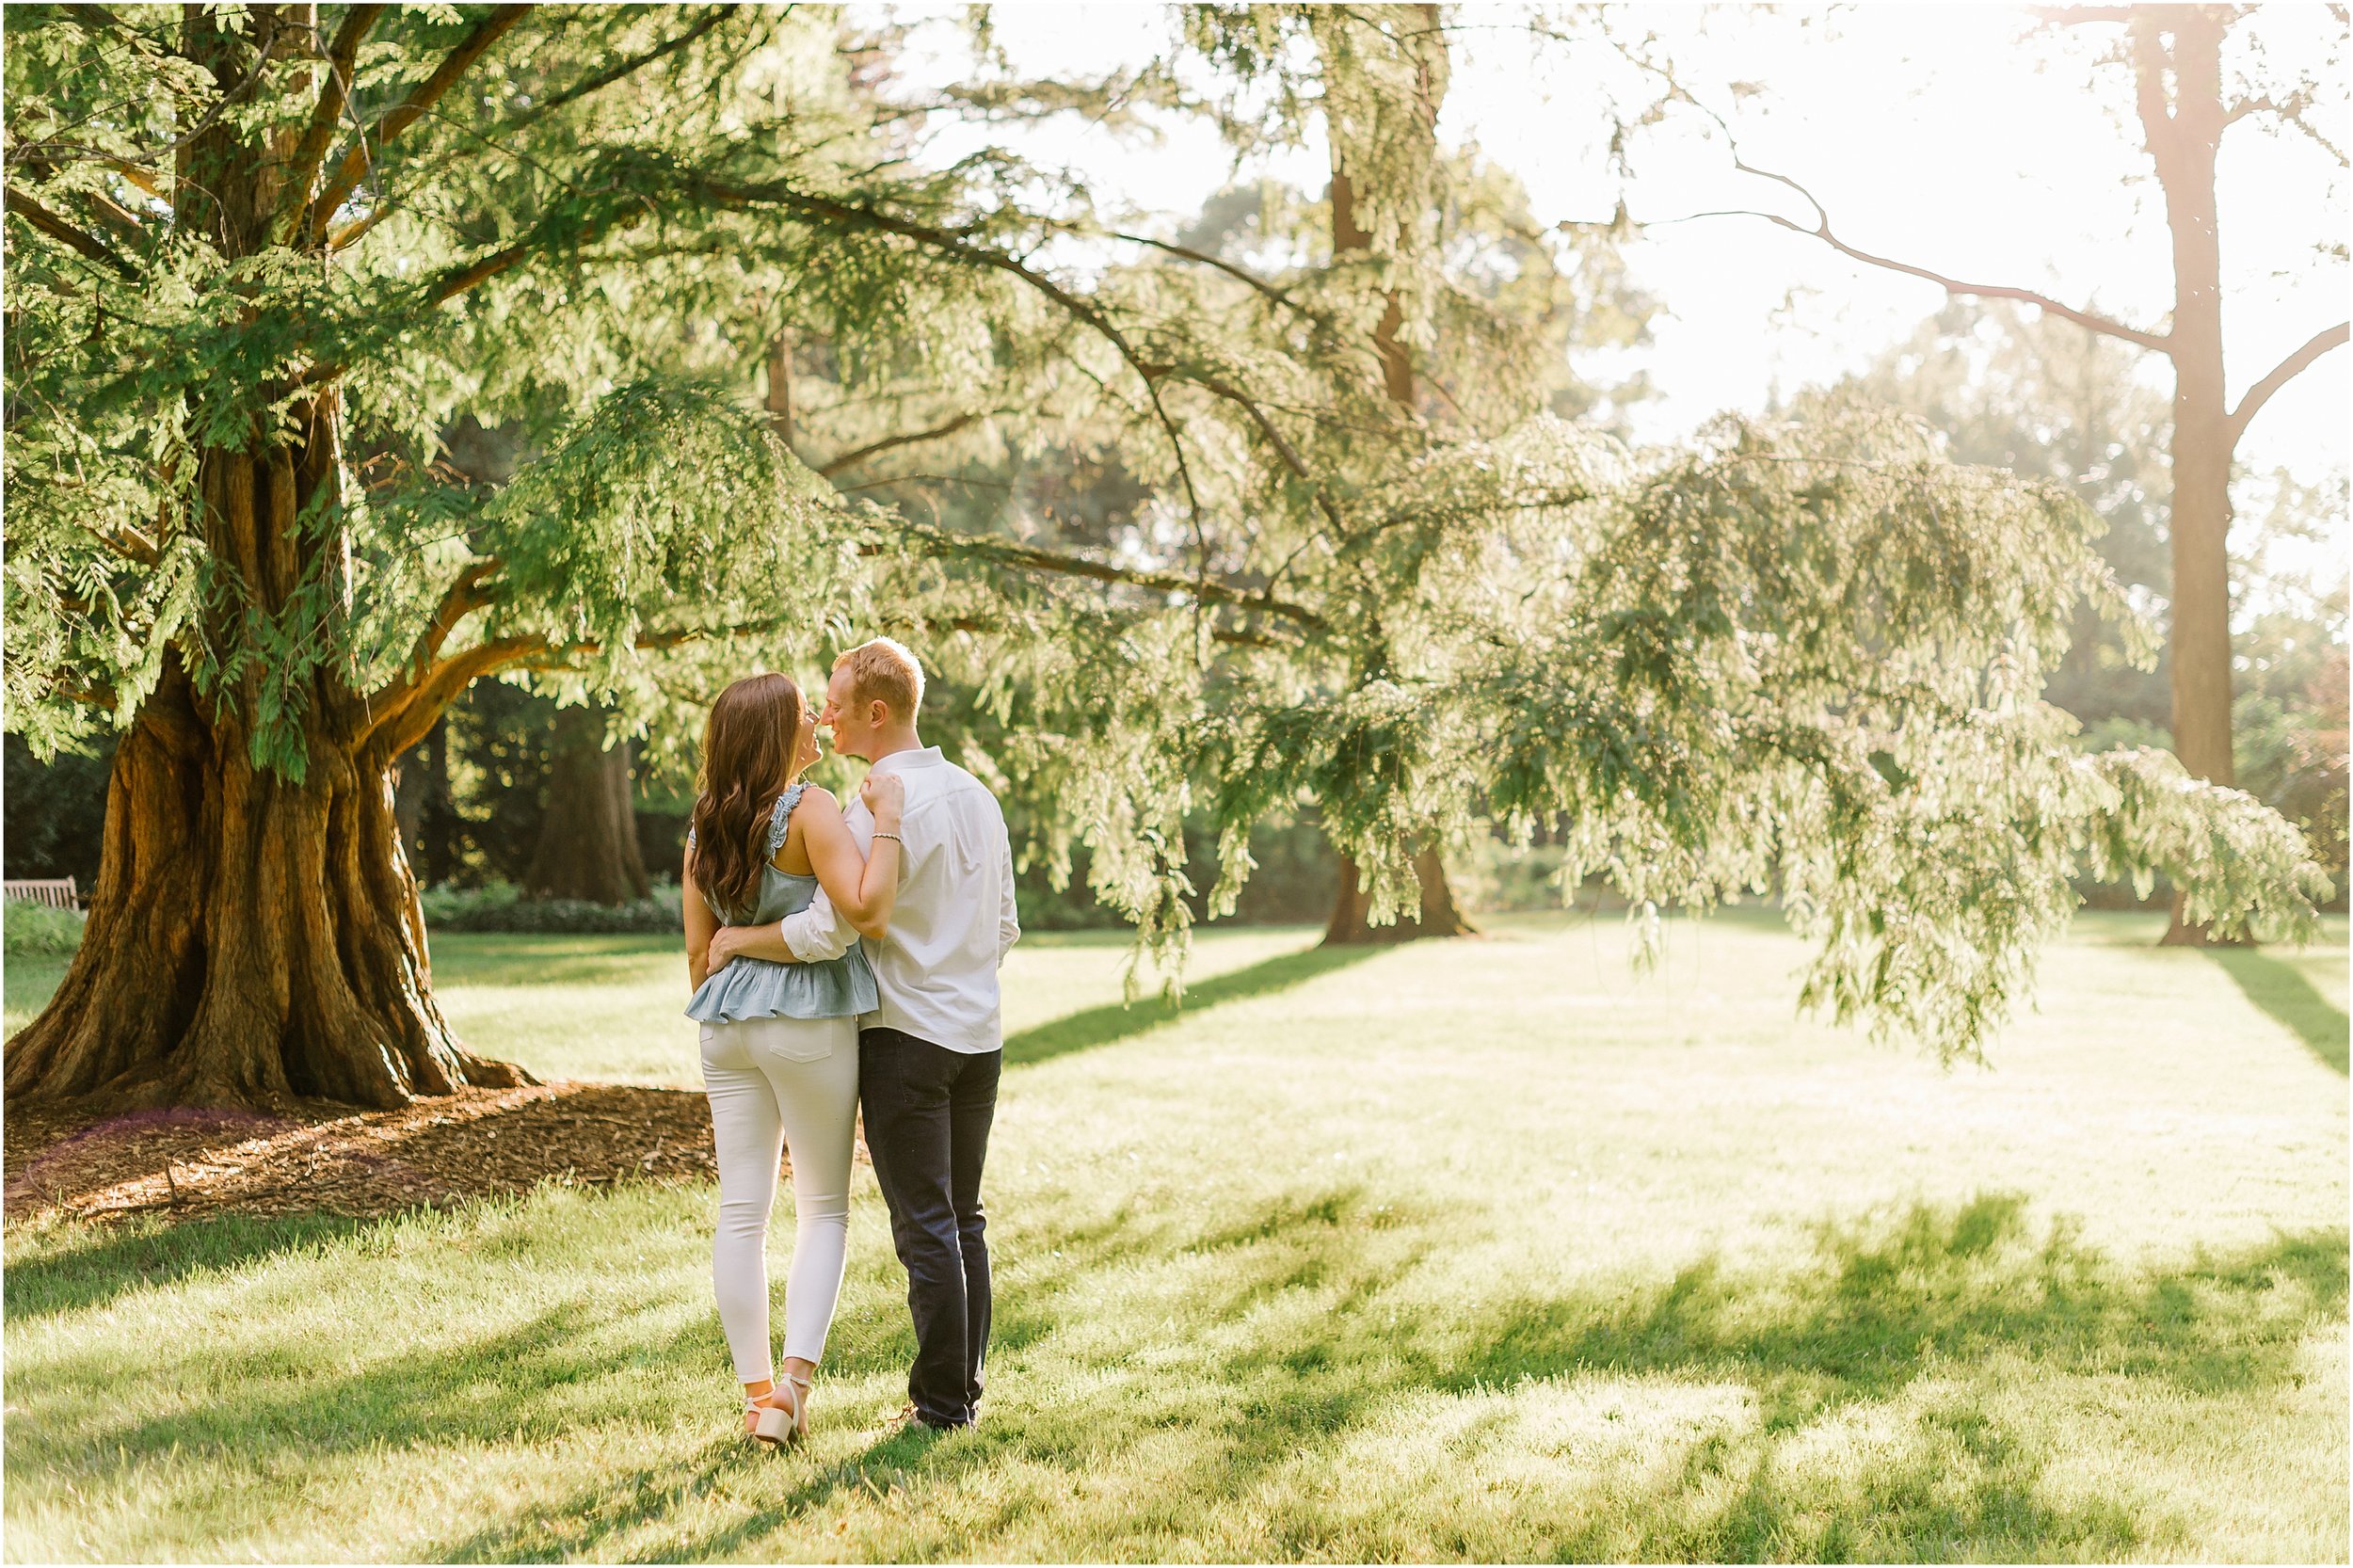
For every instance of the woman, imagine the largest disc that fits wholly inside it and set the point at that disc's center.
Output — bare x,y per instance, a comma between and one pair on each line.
780,1041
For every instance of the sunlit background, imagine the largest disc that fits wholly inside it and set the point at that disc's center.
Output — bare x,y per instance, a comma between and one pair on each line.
1967,139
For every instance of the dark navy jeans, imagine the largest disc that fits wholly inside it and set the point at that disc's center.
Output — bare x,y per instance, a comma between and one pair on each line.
928,1111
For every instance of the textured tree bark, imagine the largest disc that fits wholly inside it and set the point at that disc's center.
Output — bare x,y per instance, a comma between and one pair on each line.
587,846
251,940
1438,916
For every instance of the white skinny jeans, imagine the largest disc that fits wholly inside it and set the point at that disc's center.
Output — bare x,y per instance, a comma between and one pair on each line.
772,1082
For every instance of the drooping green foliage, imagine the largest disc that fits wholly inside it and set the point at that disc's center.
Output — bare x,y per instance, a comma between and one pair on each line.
2042,397
1800,655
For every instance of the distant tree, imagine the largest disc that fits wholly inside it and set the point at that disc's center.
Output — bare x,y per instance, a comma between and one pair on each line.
1477,312
2026,392
587,845
2195,71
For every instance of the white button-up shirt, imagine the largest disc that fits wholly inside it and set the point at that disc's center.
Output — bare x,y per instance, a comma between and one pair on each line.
954,920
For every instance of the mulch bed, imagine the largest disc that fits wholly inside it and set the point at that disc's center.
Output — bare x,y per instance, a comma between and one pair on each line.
331,1158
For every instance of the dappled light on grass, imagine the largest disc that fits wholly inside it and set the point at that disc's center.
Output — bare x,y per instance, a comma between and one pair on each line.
1274,1386
1487,1250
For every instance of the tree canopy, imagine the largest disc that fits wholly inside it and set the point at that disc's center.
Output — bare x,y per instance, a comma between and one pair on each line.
262,256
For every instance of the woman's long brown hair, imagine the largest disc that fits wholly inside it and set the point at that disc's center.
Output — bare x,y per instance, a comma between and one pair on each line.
747,761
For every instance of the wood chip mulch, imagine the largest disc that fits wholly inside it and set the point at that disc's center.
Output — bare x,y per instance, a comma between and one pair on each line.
189,1163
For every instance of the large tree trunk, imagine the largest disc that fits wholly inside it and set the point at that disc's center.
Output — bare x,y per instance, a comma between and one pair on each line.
2184,135
587,846
251,939
254,933
1438,916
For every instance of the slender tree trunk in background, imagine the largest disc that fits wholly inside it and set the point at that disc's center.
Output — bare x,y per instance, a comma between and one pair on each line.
253,935
2184,137
778,399
1438,916
587,845
2176,57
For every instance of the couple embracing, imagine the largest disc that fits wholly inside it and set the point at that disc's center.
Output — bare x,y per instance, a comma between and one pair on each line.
802,1021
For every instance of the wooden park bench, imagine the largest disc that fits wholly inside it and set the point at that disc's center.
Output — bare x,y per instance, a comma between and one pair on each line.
57,892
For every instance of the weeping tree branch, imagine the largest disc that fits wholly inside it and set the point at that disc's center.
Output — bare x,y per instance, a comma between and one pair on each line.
2162,342
826,210
1009,553
321,214
1238,274
605,78
1265,422
109,212
473,274
1821,225
875,449
329,111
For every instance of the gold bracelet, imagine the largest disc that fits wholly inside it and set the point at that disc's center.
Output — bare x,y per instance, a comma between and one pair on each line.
893,838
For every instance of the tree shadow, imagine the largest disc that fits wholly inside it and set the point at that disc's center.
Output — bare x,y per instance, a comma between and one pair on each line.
2289,997
1921,1318
1102,1026
1885,1298
1289,1336
158,1252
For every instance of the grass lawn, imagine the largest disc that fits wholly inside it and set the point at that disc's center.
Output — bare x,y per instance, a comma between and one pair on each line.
1484,1249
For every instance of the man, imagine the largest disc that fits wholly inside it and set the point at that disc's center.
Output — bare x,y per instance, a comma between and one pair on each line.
930,1055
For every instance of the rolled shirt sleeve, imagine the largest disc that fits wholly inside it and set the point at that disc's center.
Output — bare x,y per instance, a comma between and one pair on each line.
817,933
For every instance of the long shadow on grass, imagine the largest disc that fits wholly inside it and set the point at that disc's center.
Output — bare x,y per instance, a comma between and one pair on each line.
159,1253
2279,991
1101,1026
1289,1346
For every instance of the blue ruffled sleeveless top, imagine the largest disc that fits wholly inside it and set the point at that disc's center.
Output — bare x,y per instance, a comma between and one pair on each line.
757,988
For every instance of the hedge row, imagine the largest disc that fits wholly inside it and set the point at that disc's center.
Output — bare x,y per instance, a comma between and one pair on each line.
38,931
502,908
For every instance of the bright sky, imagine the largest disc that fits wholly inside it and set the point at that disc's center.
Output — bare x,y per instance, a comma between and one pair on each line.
1931,133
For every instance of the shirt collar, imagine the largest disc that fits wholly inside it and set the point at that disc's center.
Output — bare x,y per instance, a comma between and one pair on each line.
922,757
